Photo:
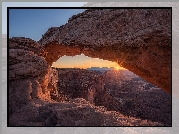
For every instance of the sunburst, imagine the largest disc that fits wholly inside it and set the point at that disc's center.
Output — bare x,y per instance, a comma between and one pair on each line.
117,68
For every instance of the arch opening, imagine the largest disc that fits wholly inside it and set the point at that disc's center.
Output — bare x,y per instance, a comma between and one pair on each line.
143,47
85,62
136,59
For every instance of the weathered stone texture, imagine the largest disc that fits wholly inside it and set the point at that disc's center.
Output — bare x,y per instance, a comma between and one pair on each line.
137,39
29,73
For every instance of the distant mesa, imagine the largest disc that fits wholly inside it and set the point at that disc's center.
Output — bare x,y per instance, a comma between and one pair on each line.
101,68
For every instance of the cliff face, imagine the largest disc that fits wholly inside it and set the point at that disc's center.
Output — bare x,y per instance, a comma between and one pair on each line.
78,83
90,85
30,76
137,39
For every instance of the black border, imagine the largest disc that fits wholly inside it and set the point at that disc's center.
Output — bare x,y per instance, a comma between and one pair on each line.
7,66
8,8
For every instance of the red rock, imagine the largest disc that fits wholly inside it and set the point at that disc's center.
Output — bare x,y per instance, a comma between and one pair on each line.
129,37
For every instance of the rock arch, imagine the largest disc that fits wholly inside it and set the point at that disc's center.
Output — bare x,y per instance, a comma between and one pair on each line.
137,39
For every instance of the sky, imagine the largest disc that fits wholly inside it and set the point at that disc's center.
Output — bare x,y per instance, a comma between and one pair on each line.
84,62
33,23
33,4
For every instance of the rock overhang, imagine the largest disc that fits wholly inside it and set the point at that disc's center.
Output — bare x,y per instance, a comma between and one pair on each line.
146,52
139,39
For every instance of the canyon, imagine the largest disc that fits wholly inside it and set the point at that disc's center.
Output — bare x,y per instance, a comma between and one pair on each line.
139,40
120,91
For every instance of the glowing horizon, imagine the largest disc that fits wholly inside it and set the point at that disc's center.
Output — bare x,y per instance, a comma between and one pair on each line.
82,61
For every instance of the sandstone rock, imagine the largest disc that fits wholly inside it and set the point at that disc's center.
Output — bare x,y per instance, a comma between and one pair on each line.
19,94
25,116
78,112
36,89
51,120
118,91
24,64
52,54
79,116
29,73
89,115
53,84
25,44
137,39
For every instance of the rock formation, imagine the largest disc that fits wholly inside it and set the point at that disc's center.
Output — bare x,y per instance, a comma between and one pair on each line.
120,91
137,39
77,112
29,73
33,99
82,83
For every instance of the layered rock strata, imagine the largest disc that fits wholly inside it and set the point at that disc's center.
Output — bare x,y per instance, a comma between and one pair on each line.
30,76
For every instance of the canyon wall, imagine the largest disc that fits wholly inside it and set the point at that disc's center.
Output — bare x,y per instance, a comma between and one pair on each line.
30,76
81,83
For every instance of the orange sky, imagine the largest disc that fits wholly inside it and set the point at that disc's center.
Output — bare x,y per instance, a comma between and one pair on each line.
82,61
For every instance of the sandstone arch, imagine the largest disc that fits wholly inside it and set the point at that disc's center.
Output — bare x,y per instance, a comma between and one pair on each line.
137,39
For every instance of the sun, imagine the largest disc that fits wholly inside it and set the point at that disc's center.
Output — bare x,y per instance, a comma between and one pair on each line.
117,68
